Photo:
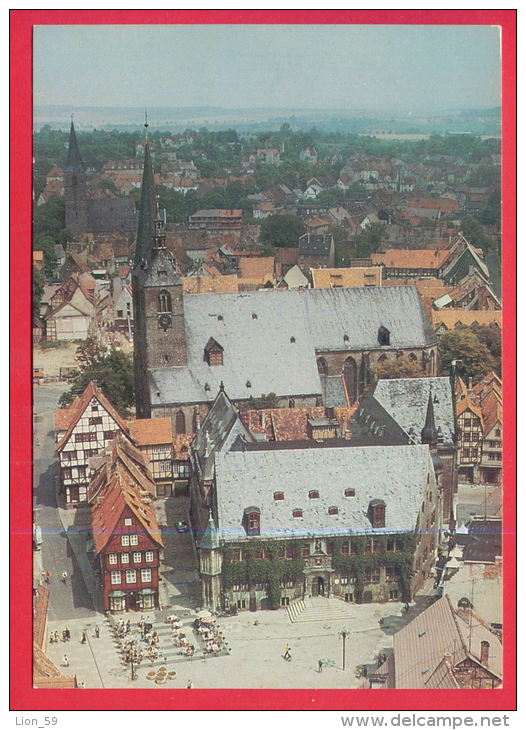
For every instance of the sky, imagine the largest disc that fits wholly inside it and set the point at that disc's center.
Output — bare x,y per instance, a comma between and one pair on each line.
400,68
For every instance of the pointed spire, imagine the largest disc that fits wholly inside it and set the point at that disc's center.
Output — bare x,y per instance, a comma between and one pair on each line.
74,162
429,433
210,539
147,211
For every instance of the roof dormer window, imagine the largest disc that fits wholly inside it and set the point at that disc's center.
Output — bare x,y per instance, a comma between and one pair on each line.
254,315
252,520
346,338
213,353
333,510
384,336
279,496
350,492
314,494
297,513
376,512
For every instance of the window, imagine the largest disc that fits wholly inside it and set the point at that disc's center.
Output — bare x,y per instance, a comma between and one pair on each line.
125,540
134,539
350,492
384,336
115,577
393,595
146,575
241,603
285,601
252,521
108,435
278,496
95,420
354,547
305,550
137,557
373,545
66,473
390,574
290,552
127,521
345,548
377,513
331,548
149,556
286,583
323,368
164,301
260,554
131,576
297,513
180,422
314,494
391,545
112,559
119,313
372,575
333,510
236,555
125,558
349,597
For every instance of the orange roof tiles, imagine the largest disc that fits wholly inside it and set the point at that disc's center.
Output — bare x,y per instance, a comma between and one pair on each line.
466,404
210,284
467,317
400,258
355,276
151,431
122,486
256,267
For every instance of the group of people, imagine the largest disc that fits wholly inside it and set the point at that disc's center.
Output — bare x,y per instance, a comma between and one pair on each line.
46,576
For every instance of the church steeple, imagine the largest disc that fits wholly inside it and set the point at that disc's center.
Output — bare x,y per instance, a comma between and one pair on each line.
147,212
429,432
74,163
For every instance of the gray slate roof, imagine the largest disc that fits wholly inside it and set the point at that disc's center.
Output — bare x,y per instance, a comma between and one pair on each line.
247,478
406,401
259,350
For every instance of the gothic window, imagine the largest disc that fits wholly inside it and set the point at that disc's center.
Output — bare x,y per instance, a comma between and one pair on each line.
180,423
164,301
384,336
323,368
350,372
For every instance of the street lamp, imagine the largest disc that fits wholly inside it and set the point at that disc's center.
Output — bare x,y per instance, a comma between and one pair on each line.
344,633
133,658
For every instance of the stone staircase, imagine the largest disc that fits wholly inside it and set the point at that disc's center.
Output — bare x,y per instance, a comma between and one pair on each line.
319,609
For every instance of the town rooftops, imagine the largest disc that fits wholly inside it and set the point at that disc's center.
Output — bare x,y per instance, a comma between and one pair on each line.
151,431
265,335
450,318
217,213
251,477
440,635
406,400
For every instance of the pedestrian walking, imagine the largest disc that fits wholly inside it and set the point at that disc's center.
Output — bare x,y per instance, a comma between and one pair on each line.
48,576
84,637
56,637
287,654
64,636
189,684
82,685
68,635
97,632
128,626
64,576
65,660
320,666
51,638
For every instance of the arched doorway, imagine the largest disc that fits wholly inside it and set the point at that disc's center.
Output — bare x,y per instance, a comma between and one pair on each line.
318,586
350,377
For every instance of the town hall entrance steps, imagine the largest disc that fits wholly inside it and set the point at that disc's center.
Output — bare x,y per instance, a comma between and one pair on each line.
319,609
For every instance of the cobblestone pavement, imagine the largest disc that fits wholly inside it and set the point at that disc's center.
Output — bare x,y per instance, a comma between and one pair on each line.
256,641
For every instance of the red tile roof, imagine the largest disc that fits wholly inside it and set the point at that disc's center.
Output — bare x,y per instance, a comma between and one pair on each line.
256,267
123,485
151,431
399,258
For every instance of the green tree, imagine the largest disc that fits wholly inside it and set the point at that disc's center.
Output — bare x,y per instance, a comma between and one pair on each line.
114,375
368,240
475,234
400,367
268,400
90,352
491,336
281,230
472,355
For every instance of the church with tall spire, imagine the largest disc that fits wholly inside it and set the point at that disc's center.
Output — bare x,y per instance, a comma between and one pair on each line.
87,214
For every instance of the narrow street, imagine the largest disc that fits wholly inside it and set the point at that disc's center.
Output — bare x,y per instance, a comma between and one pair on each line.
71,600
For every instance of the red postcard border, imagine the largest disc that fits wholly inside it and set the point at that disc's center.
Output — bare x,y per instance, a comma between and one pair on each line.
23,696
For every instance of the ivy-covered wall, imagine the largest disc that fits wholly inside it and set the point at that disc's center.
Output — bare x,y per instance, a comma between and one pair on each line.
273,569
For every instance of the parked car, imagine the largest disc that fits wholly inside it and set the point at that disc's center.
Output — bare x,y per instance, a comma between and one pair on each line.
181,526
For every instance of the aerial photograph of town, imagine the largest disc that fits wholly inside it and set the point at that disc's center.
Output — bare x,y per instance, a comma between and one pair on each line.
267,384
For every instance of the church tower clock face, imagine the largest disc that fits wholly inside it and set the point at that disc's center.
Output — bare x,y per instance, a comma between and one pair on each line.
165,321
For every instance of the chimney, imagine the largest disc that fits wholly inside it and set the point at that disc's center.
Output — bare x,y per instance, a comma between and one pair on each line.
484,653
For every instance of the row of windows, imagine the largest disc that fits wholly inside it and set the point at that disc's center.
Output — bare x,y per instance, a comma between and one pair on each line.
314,494
127,540
82,455
67,472
372,575
130,576
348,547
82,438
125,557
